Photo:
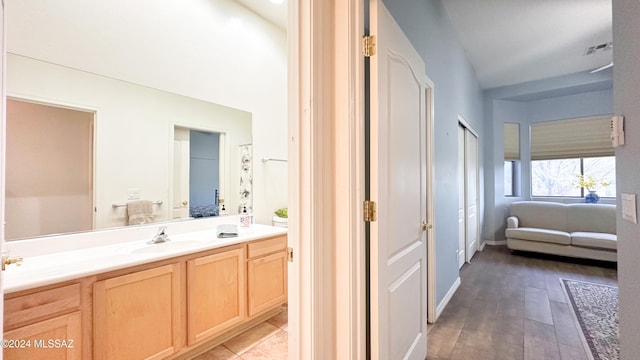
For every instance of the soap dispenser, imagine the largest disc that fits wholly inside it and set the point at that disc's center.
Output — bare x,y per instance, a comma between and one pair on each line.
222,211
246,219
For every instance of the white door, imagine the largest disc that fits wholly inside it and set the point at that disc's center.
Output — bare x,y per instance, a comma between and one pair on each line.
398,186
471,169
462,223
180,174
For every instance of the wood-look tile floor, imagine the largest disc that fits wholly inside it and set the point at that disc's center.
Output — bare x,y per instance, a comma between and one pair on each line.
511,306
265,341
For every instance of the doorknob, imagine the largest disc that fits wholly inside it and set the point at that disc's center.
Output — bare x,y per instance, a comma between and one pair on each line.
426,226
185,203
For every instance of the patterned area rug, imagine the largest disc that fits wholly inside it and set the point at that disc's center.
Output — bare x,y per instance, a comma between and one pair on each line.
595,308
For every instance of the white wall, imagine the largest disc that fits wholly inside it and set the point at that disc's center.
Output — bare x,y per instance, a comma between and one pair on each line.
133,141
213,50
626,55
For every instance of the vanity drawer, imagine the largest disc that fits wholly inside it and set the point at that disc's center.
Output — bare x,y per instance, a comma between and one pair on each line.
41,305
268,246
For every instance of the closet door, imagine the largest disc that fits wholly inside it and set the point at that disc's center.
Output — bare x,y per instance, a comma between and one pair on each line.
468,200
462,223
471,193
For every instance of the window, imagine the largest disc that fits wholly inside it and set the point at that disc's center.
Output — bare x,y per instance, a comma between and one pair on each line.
563,149
508,178
602,168
511,157
558,177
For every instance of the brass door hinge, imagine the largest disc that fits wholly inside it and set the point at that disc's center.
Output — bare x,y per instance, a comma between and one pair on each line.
368,45
290,254
369,210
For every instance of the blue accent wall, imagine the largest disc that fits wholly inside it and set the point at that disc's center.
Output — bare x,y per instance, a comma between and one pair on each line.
565,97
204,167
456,92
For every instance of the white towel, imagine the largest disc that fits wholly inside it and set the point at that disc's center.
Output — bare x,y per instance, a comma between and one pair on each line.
227,230
140,212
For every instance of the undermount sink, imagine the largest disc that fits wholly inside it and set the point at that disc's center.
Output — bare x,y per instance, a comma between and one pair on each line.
149,248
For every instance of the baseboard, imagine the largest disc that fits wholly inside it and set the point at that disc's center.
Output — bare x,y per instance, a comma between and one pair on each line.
495,242
447,298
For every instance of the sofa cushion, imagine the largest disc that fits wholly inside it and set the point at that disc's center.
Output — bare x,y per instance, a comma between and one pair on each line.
596,218
542,235
594,240
540,214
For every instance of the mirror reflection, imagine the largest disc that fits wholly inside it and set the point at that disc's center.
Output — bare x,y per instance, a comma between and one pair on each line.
49,154
100,142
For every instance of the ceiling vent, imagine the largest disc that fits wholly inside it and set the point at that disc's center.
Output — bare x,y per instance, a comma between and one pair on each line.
599,48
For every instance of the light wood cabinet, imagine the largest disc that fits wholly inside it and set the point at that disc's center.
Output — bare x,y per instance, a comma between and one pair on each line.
266,275
44,325
215,293
171,308
267,246
56,339
137,316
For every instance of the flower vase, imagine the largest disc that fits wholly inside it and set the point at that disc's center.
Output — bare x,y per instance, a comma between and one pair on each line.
591,197
280,222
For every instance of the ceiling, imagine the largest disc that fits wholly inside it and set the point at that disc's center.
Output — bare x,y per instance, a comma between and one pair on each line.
514,41
274,13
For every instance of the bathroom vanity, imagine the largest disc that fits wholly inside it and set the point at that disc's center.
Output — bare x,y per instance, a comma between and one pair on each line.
135,300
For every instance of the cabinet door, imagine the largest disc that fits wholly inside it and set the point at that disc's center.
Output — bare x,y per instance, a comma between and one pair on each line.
268,246
267,282
137,316
216,293
57,338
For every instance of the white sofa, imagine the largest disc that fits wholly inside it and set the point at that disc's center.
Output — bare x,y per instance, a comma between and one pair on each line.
575,230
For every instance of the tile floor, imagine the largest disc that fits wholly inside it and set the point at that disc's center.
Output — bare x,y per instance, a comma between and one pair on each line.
265,341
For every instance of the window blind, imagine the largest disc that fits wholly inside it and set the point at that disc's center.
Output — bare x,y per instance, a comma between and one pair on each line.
511,141
571,138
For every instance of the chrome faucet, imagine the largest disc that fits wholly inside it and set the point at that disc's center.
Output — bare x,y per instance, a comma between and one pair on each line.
161,236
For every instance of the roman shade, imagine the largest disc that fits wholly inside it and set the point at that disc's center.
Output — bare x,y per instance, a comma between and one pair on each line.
511,141
571,138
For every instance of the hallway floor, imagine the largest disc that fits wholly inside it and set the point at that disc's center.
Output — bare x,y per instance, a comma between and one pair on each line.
512,307
265,341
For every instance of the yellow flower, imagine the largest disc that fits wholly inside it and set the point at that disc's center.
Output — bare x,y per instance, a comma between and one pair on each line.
589,183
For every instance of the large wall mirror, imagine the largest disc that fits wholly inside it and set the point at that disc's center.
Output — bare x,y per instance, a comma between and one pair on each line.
84,136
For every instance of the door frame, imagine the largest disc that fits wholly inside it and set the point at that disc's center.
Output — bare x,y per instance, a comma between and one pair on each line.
3,142
432,315
327,299
223,165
